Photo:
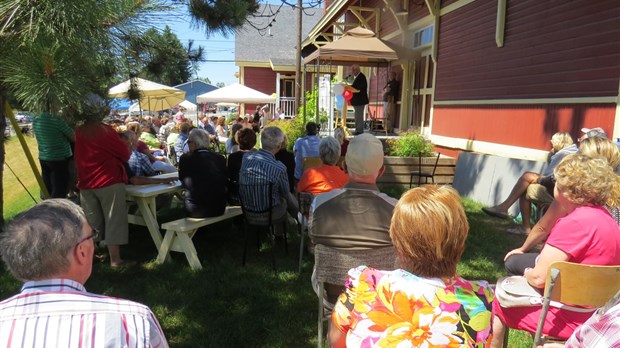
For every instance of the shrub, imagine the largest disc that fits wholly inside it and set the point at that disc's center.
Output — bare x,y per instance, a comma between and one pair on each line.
293,129
409,144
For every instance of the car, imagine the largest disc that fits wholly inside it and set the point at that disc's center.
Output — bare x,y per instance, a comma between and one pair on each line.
23,117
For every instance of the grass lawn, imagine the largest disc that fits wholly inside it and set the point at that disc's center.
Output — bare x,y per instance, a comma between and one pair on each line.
226,305
16,198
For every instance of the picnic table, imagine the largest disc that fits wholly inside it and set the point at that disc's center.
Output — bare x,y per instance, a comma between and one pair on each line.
144,196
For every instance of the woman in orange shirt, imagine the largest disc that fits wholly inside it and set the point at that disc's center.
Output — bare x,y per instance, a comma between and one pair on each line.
328,176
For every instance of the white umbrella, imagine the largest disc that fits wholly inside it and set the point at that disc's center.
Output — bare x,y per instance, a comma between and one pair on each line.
235,93
155,96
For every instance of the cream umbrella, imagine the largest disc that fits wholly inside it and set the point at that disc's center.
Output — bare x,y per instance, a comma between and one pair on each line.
162,102
154,96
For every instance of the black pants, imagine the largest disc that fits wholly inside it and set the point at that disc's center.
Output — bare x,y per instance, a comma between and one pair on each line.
516,264
56,177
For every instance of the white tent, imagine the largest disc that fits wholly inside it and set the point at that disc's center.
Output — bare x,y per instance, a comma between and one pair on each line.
188,105
235,93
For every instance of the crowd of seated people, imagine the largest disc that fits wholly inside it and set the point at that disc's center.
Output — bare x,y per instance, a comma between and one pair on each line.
427,227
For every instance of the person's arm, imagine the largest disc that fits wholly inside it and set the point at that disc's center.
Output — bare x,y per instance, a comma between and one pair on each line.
336,338
142,180
538,275
304,182
541,229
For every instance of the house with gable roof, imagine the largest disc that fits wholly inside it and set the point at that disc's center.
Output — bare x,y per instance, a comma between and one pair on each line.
265,52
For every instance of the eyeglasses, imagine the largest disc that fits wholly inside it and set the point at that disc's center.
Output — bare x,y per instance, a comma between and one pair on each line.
94,235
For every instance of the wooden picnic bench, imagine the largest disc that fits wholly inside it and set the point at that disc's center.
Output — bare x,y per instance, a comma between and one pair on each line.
179,235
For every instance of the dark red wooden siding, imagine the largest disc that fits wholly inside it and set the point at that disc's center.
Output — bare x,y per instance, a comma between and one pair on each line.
417,10
261,79
528,126
552,48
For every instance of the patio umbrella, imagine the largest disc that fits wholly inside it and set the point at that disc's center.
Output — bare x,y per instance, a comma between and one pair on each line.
155,96
162,102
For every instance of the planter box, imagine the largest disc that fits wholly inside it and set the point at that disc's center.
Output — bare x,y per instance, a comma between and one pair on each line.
398,170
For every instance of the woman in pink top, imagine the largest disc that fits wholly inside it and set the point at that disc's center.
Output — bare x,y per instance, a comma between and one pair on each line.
328,176
587,234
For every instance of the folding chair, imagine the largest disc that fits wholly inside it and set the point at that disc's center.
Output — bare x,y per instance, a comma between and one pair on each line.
304,201
255,216
566,286
422,173
331,270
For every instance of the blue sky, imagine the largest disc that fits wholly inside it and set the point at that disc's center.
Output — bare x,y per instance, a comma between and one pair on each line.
220,50
217,48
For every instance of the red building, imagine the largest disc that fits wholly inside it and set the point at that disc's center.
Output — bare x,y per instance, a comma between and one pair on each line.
496,77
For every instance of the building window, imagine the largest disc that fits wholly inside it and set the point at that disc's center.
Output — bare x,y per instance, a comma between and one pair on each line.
423,37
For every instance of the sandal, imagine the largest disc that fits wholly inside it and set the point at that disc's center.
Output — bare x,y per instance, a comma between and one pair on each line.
496,213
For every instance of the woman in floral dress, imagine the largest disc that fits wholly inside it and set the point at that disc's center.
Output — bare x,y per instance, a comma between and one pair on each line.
423,304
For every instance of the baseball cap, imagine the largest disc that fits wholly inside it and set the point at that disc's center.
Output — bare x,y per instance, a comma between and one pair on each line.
364,155
594,132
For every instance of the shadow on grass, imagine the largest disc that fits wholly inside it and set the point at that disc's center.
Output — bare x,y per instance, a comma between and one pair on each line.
226,305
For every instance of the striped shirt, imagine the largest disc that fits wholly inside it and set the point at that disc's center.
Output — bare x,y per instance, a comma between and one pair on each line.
54,137
261,168
60,313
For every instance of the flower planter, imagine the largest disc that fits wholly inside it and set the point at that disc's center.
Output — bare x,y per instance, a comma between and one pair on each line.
398,170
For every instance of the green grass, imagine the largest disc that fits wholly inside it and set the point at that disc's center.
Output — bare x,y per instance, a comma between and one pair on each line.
16,199
226,305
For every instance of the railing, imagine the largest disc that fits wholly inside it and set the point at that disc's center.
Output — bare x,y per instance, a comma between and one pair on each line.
287,104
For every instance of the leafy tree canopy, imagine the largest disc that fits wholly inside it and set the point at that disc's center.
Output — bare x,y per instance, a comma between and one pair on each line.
161,57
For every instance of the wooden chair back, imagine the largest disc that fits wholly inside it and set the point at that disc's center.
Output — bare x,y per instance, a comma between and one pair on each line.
583,285
311,162
573,284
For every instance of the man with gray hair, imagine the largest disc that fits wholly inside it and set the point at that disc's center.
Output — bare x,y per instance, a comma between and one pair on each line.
357,216
260,168
50,247
204,176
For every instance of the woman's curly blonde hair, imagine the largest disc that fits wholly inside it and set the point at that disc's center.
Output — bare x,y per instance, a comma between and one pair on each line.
585,180
599,146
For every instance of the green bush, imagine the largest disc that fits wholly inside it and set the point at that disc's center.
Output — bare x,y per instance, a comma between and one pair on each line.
293,129
409,144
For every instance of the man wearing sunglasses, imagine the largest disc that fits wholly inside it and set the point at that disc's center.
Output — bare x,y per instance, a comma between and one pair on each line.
50,248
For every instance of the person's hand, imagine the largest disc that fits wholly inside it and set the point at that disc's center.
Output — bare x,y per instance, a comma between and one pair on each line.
169,180
516,251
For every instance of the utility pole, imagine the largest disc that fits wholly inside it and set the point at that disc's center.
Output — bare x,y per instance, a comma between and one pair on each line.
298,82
